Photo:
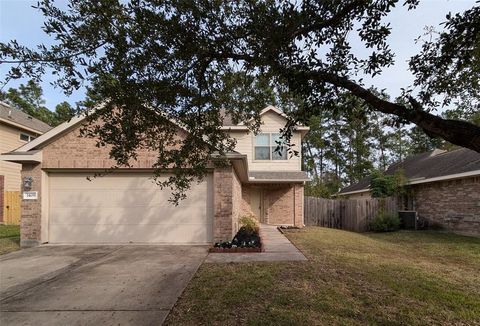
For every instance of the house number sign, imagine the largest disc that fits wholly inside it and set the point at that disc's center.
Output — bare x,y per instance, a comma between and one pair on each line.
30,195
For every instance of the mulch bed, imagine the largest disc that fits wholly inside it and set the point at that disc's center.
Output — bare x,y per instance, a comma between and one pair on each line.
243,241
235,250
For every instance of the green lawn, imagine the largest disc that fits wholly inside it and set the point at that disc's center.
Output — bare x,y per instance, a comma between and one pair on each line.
9,238
402,278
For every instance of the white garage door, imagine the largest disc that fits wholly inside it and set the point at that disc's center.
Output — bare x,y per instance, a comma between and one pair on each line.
126,207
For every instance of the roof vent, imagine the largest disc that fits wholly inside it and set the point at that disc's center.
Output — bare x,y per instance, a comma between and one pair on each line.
9,113
437,151
29,117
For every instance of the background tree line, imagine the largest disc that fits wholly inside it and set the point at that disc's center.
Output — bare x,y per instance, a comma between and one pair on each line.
29,98
353,141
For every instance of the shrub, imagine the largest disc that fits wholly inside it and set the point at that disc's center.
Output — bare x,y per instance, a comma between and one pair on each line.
245,238
248,222
385,222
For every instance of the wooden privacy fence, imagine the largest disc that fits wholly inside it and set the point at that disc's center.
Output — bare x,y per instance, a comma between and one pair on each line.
346,214
11,207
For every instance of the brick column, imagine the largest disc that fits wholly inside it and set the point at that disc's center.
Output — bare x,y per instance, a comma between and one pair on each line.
222,203
31,210
298,208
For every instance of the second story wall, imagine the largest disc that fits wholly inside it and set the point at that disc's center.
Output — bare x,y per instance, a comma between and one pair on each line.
10,140
272,123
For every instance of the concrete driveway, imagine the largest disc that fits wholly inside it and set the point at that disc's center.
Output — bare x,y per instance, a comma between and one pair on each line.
94,285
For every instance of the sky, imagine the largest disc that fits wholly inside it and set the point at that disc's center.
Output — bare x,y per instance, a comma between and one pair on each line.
21,22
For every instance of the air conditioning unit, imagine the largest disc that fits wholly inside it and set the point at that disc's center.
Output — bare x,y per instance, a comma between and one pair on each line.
408,219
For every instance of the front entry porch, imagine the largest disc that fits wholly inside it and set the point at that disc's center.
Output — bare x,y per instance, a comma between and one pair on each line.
274,204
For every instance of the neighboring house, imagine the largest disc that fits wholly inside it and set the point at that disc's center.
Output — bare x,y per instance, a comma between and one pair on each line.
126,206
16,129
443,187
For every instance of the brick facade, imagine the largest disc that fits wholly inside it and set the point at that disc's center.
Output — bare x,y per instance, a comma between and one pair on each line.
225,203
30,223
71,151
298,205
282,203
279,204
245,208
237,202
454,205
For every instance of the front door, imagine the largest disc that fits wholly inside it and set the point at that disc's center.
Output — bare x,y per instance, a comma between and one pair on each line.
256,203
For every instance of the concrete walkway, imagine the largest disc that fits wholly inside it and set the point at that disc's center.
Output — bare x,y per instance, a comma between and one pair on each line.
277,248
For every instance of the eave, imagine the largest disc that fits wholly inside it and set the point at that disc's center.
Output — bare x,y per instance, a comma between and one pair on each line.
22,157
422,180
277,180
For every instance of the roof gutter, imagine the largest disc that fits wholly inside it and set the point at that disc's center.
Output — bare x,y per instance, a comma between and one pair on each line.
352,192
445,177
239,127
277,180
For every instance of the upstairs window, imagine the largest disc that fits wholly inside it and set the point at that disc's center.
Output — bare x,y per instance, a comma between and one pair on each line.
26,137
266,146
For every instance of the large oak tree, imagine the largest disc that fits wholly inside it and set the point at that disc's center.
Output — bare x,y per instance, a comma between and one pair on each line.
152,62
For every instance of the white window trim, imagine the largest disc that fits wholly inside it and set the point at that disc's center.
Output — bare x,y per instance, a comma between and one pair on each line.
286,160
30,137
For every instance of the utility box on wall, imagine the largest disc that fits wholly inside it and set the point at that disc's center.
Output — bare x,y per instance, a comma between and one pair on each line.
408,219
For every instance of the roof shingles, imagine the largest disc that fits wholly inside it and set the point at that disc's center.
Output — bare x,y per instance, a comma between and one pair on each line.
9,113
436,163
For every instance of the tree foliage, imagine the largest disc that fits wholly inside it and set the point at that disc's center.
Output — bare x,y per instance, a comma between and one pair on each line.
383,186
29,99
153,62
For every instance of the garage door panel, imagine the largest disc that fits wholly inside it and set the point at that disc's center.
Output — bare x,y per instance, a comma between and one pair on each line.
126,208
129,215
122,198
102,198
109,182
193,233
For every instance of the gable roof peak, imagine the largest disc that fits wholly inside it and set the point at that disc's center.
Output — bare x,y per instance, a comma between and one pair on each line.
274,109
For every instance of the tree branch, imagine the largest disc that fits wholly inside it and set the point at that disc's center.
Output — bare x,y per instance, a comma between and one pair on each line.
332,21
457,132
54,59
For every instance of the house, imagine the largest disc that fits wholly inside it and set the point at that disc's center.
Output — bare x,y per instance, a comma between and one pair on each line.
62,206
16,129
443,187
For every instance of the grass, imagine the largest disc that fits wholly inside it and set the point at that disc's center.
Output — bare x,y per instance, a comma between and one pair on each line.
9,238
401,278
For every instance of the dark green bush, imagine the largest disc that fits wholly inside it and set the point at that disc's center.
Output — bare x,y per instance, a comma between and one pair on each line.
385,222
